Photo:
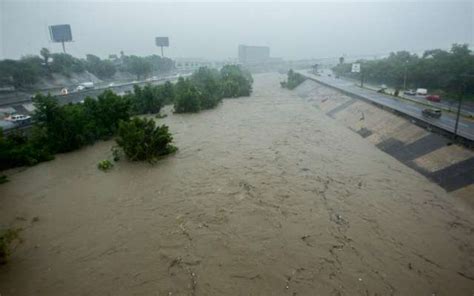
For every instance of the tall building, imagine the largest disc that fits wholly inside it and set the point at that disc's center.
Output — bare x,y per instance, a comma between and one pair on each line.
253,54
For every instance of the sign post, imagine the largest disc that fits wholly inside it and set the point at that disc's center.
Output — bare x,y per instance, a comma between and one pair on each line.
356,68
162,42
60,34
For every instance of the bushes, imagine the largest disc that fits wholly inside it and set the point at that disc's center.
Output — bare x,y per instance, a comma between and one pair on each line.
7,238
148,99
206,88
187,97
294,79
235,82
63,128
103,69
141,139
69,127
17,150
30,69
105,165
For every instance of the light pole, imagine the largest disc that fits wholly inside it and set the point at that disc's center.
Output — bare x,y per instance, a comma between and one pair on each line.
458,114
463,89
405,76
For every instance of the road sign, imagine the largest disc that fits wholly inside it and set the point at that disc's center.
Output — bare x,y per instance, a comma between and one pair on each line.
60,33
356,68
162,41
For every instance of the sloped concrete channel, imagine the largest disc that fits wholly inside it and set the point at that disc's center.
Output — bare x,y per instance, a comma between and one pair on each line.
456,171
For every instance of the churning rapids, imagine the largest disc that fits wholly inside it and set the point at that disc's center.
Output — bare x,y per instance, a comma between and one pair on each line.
266,196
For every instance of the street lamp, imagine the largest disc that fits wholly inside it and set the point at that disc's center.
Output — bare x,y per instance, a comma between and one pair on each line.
463,89
405,76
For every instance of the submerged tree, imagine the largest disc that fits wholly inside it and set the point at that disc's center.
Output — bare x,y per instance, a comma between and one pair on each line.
141,139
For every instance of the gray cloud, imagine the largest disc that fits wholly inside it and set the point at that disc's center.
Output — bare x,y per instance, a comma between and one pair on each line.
213,30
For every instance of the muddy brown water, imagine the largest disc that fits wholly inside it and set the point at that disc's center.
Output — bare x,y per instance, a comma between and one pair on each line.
266,196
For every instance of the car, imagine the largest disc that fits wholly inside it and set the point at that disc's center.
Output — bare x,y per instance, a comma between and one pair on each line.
410,92
430,112
433,98
79,88
64,92
421,91
19,118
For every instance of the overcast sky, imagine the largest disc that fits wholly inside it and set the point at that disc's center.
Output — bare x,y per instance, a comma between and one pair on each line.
214,30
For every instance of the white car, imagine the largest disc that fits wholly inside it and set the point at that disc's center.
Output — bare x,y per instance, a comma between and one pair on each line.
64,92
19,118
80,87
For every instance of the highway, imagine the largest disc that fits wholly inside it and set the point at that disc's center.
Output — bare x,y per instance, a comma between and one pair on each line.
445,122
77,97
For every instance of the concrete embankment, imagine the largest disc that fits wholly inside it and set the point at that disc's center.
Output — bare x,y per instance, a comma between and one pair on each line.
449,165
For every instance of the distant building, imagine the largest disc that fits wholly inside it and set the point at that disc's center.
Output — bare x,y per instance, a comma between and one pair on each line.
253,54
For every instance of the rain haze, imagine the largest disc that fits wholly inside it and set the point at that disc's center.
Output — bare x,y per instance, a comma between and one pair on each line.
214,30
236,148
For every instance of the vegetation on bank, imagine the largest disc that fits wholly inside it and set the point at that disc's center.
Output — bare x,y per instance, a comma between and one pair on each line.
294,79
206,88
63,128
444,72
7,238
29,70
105,165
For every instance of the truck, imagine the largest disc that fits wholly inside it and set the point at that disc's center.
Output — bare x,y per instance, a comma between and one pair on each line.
88,85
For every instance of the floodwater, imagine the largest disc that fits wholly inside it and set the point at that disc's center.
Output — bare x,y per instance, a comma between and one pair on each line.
266,196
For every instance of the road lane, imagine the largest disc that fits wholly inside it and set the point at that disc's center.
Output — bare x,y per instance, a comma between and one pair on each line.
446,121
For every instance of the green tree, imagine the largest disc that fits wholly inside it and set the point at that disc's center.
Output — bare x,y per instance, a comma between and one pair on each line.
187,97
147,99
141,139
105,113
46,55
207,82
294,79
167,92
138,66
103,69
66,64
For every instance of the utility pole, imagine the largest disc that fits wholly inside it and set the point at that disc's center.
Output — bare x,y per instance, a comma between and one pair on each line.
457,115
461,96
405,78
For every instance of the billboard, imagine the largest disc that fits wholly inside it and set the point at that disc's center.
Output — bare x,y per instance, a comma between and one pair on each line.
60,33
162,41
356,68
